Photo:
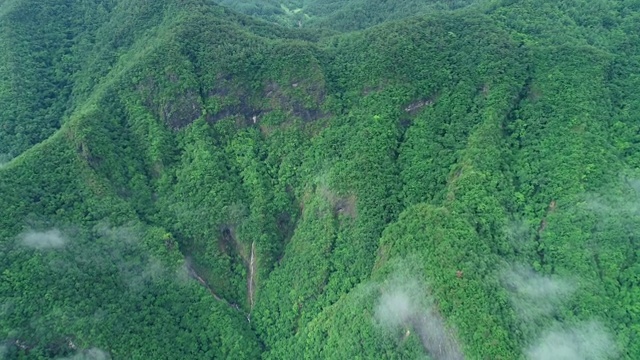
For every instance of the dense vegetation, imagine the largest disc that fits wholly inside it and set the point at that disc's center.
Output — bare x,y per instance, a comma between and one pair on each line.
338,14
178,180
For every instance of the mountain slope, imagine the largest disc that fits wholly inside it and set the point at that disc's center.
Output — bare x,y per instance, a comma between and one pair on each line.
210,185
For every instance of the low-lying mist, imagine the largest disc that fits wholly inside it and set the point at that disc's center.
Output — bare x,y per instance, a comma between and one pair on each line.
404,305
538,300
116,258
533,294
43,239
585,341
4,160
89,354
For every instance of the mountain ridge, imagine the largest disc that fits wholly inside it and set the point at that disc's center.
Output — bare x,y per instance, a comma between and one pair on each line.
449,169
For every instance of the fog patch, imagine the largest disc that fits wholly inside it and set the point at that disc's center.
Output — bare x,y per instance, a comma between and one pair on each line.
182,274
50,239
586,341
405,307
623,202
394,309
537,299
106,250
137,275
121,234
598,205
533,294
519,232
5,307
4,160
89,354
123,246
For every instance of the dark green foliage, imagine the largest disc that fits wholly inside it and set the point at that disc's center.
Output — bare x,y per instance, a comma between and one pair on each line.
178,180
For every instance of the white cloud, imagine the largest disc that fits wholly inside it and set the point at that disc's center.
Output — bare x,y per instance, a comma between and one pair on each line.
404,304
44,239
587,341
394,308
533,294
89,354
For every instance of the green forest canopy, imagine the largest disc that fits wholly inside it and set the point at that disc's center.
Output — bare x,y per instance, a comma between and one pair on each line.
421,179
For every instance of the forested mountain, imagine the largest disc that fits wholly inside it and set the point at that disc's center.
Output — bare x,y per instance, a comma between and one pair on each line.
339,14
417,180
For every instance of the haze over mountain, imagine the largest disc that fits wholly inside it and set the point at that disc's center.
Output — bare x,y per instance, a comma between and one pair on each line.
186,179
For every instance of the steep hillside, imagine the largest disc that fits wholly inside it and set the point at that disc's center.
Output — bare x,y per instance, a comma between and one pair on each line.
182,181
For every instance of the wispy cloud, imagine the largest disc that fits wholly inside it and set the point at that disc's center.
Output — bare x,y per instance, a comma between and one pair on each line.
44,239
534,294
404,304
89,354
586,341
4,159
